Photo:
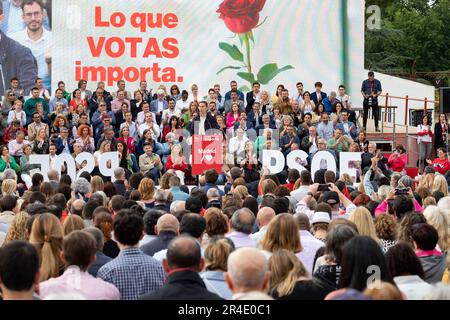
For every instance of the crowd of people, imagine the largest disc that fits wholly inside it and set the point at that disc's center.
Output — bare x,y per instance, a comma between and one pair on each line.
242,233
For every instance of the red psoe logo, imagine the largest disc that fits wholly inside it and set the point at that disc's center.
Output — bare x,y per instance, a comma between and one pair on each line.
206,153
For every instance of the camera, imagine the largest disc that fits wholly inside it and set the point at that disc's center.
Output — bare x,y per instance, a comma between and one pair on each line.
323,187
401,191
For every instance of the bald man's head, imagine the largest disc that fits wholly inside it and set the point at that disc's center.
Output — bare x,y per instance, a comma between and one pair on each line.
167,222
247,270
265,215
53,175
243,221
77,206
183,252
302,221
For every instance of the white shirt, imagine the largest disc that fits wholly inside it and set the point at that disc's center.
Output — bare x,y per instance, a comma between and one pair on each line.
155,132
141,117
201,127
180,105
21,116
344,98
412,286
52,160
237,146
313,147
40,49
13,146
167,114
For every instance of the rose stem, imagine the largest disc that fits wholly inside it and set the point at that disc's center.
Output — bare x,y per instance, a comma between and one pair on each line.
247,45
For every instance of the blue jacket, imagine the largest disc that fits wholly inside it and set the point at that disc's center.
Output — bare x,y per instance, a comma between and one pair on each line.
211,186
353,132
101,259
178,194
315,99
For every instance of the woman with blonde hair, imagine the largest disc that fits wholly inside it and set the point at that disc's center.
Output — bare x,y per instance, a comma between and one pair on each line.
282,233
241,191
147,190
164,181
291,281
440,184
216,257
439,220
9,187
268,187
18,228
97,184
362,218
47,236
72,223
177,162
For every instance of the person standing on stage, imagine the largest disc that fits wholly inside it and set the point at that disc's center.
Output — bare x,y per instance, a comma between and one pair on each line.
425,140
441,132
371,89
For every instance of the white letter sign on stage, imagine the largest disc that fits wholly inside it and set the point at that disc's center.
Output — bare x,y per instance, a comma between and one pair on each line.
295,160
44,161
269,156
346,158
319,157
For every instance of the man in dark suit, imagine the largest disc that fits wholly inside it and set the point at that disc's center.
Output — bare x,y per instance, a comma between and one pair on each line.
253,96
182,265
204,121
255,116
318,95
17,61
167,228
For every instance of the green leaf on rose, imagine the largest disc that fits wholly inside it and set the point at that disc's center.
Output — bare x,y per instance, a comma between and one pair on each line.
232,50
229,67
250,77
270,71
244,89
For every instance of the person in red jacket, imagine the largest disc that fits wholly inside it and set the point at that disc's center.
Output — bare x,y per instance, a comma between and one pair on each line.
441,163
398,160
177,162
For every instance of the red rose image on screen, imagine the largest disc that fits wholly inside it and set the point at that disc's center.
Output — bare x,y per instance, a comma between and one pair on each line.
241,16
206,153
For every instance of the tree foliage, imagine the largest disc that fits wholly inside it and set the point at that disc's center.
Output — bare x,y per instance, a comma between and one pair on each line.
414,35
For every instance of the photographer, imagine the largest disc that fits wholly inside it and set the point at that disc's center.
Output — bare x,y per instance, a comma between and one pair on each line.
371,89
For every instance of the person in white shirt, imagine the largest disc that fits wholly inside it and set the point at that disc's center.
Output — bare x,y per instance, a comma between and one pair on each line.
183,103
265,215
37,38
17,114
344,98
141,115
52,157
425,141
169,113
237,144
17,145
298,96
149,124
